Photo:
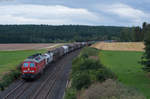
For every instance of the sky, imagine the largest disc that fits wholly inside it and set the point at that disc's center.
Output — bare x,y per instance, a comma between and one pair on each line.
76,12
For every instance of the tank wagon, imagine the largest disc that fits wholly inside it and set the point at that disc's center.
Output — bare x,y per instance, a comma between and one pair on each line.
35,64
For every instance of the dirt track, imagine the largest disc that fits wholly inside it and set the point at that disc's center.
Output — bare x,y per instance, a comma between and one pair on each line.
10,47
120,46
54,88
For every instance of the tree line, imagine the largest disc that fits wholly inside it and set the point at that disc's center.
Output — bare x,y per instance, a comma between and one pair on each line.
63,33
146,57
68,33
133,34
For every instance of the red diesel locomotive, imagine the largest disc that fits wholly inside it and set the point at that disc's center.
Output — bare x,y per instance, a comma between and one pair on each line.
33,66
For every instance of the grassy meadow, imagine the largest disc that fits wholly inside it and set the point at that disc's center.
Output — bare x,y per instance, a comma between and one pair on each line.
9,60
125,65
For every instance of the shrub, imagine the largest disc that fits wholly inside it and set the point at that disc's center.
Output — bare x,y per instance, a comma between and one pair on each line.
81,80
8,78
70,94
84,64
103,74
86,69
89,51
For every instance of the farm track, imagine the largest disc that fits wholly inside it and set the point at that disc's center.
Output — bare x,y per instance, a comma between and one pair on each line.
51,84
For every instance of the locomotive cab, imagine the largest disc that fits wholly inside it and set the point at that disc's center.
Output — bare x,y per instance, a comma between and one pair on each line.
29,69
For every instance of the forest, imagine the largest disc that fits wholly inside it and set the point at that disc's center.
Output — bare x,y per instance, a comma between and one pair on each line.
70,33
63,33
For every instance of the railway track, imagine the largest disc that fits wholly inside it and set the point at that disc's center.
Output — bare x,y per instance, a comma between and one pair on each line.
20,93
51,87
13,90
47,86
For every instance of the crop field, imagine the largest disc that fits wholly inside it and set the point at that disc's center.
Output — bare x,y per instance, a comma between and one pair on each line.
125,65
12,47
120,46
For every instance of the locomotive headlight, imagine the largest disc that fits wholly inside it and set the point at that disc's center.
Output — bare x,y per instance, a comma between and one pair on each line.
32,71
25,71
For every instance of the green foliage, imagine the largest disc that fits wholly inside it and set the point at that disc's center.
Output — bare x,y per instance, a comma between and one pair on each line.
126,67
85,64
89,51
68,33
133,34
70,94
103,74
139,36
8,78
48,33
81,80
86,70
127,35
146,56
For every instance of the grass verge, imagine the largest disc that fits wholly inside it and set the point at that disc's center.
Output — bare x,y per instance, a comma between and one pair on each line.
129,72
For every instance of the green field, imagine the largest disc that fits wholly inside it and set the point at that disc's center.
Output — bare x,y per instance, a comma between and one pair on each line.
9,60
125,65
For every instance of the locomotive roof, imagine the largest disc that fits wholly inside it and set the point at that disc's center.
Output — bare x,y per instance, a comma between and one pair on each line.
35,58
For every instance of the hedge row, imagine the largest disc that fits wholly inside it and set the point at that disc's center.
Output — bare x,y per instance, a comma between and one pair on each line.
9,78
87,69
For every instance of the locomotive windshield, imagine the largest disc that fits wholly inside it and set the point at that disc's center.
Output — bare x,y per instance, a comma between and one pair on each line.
32,65
25,65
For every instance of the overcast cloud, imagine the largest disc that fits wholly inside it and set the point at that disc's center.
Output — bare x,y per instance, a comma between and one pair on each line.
84,12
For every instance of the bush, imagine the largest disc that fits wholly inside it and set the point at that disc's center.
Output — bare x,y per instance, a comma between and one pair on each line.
103,74
81,80
89,51
84,64
71,94
87,69
8,78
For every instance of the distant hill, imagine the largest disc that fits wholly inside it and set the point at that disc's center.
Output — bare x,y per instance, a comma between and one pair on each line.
63,33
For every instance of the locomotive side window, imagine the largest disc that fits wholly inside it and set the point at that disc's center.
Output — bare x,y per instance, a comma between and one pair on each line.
25,64
32,65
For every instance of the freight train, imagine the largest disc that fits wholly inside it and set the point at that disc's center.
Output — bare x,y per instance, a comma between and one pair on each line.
35,64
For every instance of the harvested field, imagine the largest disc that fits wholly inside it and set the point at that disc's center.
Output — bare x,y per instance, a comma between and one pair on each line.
120,46
12,47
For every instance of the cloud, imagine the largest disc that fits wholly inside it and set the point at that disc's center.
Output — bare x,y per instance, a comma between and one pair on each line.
123,12
45,14
126,11
54,12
